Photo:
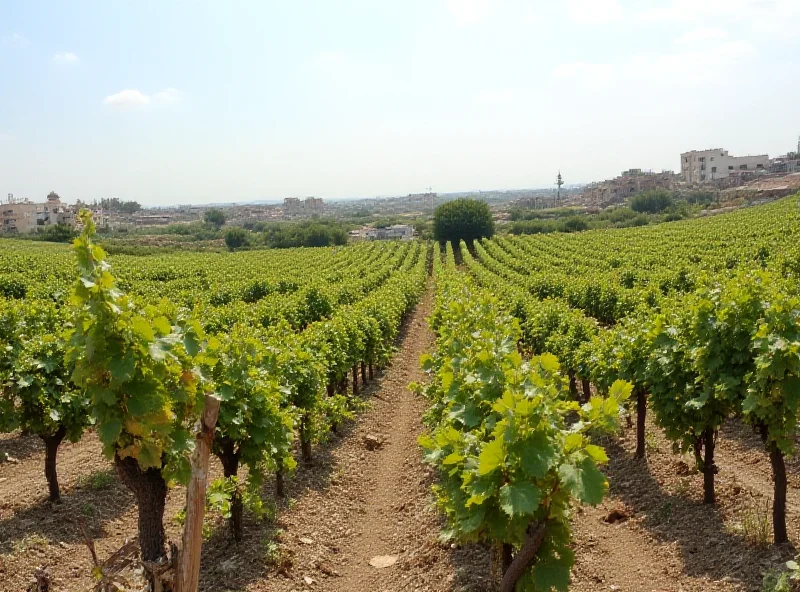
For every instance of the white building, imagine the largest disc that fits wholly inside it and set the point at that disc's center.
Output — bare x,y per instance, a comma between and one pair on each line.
396,231
699,166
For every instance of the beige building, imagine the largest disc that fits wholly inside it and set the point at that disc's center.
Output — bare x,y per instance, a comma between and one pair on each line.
18,218
700,166
22,217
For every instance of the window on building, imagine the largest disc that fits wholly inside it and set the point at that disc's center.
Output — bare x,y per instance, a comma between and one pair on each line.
730,167
686,159
742,167
713,169
702,159
759,166
712,159
703,177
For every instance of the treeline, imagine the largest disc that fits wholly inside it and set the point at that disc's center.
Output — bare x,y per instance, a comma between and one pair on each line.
111,204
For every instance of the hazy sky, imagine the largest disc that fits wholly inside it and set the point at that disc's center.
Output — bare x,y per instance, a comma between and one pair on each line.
168,101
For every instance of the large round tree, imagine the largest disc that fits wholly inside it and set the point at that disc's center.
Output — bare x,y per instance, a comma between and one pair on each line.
462,219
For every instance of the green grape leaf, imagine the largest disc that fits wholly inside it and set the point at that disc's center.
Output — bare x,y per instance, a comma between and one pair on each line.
520,499
584,480
491,457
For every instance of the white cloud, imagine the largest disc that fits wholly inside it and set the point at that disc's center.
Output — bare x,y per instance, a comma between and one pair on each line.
65,57
136,98
127,98
595,11
168,95
14,40
468,12
703,35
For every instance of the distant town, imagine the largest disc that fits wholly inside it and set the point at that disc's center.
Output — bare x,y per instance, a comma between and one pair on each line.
711,169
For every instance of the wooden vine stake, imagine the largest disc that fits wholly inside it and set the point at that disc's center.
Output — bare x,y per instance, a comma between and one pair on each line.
188,576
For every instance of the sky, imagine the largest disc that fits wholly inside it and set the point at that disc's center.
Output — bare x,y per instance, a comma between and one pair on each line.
190,101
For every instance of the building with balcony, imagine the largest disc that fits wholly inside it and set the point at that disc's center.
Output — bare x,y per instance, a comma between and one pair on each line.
700,166
23,216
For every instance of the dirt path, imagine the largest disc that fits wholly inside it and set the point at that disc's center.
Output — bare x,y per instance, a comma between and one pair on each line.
377,501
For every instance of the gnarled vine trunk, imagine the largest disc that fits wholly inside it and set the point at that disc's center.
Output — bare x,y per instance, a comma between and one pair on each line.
229,457
780,533
305,438
573,384
523,557
280,484
51,444
150,490
363,373
709,468
587,389
641,415
371,372
355,379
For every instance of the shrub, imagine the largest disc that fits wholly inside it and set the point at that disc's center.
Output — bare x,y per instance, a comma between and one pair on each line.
235,238
462,219
651,202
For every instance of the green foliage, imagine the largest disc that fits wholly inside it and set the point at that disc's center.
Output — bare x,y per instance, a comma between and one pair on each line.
39,395
97,480
137,365
318,233
236,238
462,219
214,217
651,202
57,233
511,450
255,419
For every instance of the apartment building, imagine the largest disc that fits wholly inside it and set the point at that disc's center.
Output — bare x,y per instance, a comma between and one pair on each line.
700,166
23,216
295,205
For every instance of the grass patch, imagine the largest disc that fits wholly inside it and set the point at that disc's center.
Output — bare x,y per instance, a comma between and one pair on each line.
31,541
97,481
756,524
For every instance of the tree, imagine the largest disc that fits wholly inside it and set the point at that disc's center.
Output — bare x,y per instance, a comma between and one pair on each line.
214,217
235,238
137,366
462,219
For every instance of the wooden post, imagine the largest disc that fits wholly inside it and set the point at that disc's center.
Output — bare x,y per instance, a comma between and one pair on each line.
188,577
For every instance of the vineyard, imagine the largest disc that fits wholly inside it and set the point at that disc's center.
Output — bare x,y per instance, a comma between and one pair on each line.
542,339
568,377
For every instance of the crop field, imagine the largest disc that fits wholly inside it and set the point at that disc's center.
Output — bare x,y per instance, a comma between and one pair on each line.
602,410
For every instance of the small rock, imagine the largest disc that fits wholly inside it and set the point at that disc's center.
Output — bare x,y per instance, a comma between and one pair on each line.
306,540
372,441
308,580
381,561
616,515
326,568
63,545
